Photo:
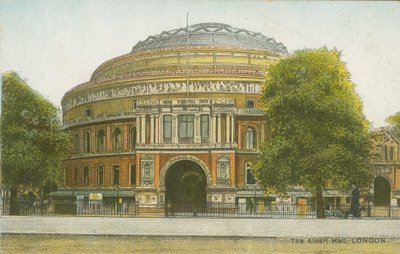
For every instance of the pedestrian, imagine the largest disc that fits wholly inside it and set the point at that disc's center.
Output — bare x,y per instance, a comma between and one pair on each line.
355,201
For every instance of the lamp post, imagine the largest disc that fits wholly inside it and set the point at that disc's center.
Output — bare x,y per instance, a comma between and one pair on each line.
51,155
118,208
255,198
74,207
370,196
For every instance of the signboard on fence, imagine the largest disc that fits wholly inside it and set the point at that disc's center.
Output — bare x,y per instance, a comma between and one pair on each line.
80,197
95,196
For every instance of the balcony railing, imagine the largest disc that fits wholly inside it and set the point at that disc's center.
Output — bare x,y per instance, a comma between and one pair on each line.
185,140
99,118
250,111
186,145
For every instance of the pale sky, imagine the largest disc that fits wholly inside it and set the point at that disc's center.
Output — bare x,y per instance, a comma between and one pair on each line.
57,45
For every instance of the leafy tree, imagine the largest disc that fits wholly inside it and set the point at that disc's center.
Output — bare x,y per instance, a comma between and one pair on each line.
318,133
394,122
33,142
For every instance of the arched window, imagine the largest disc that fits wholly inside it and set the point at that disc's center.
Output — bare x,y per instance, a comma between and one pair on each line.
250,179
116,174
386,152
100,174
76,144
86,175
101,141
391,153
88,113
250,138
117,140
87,142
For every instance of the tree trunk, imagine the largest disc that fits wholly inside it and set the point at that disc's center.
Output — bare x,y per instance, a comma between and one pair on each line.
320,204
14,208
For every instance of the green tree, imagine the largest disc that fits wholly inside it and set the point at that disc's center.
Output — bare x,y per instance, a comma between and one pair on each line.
33,142
318,134
394,123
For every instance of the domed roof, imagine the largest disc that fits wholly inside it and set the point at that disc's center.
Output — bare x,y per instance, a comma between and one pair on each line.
210,34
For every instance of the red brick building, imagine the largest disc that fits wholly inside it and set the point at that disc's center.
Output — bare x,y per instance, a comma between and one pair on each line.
176,119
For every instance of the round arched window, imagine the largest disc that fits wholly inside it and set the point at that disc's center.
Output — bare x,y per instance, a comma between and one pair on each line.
250,138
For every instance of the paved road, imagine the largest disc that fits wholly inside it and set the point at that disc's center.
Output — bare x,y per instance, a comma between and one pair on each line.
201,227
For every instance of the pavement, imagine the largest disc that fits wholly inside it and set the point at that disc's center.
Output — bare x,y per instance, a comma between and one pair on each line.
271,228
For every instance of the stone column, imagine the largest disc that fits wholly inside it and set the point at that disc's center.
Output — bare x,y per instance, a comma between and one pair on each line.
93,140
156,171
213,169
125,137
228,128
197,138
239,136
138,130
138,169
143,129
151,129
219,132
232,169
214,129
80,134
232,128
174,129
157,129
161,130
108,138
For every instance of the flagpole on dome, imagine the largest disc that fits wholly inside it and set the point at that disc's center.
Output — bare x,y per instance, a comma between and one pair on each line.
187,54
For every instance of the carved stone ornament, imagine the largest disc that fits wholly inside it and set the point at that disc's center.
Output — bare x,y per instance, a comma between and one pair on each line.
161,88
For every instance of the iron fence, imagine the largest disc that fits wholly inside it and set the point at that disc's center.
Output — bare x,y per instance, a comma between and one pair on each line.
130,208
70,207
233,210
274,210
25,207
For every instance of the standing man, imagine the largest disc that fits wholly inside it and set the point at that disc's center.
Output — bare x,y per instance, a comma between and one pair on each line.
355,201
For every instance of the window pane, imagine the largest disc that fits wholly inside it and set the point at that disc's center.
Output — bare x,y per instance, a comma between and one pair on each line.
86,175
167,127
99,175
186,126
391,156
190,130
87,142
204,126
147,170
77,143
250,177
116,174
250,104
249,138
100,140
117,140
182,129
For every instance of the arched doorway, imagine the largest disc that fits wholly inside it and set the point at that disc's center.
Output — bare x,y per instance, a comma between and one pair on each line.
185,183
381,191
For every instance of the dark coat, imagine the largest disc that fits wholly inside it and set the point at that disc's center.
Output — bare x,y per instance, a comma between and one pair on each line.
355,197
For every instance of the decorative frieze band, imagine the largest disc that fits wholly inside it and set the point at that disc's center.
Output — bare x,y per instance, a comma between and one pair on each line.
161,88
